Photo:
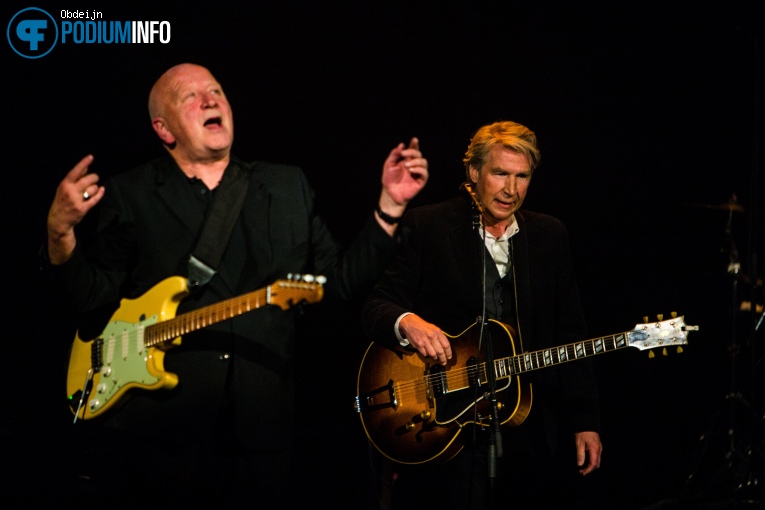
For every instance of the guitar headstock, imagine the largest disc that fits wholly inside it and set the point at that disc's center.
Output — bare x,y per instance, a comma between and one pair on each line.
660,334
296,289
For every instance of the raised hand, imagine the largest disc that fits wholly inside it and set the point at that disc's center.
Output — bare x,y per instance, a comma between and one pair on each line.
77,194
405,173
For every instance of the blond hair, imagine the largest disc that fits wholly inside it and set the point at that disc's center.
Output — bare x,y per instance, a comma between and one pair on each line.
511,135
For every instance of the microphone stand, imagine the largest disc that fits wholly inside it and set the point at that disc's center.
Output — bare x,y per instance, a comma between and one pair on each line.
495,449
495,434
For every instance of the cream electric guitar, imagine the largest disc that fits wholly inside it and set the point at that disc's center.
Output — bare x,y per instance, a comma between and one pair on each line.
129,353
413,410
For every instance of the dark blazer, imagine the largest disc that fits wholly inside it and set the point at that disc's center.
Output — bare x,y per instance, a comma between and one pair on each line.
437,274
148,224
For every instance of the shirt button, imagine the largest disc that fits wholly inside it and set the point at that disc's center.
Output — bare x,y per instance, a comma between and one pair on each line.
224,357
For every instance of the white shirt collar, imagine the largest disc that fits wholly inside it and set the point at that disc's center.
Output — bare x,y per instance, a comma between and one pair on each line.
510,231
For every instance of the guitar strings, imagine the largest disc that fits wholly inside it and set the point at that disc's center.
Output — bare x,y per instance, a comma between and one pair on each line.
197,319
461,378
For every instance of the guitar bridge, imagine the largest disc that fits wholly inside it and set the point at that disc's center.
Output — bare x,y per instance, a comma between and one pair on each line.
374,399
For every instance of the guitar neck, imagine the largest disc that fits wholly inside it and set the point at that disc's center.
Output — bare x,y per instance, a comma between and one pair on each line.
526,362
205,316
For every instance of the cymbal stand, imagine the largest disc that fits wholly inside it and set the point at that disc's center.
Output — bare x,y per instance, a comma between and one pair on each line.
736,472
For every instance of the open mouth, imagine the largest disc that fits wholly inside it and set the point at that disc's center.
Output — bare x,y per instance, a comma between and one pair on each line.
213,121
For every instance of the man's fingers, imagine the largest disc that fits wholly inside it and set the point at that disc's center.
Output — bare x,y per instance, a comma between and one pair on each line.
588,452
412,154
79,185
416,165
88,182
442,350
93,195
79,169
432,347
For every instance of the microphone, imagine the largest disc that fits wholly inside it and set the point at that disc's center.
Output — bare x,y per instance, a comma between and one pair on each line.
477,207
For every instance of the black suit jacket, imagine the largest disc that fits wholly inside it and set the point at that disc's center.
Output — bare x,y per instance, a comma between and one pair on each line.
438,273
148,224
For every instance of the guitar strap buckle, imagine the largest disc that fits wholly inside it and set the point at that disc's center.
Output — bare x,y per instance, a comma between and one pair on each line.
199,273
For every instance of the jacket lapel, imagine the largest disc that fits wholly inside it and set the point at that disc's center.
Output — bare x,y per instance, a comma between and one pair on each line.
468,250
521,262
256,215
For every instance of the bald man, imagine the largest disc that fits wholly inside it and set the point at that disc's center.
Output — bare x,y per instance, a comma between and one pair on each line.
223,435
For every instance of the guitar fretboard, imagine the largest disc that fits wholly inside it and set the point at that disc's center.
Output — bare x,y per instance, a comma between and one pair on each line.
205,316
515,365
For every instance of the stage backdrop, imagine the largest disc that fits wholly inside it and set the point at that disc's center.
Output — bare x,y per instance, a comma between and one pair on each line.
648,119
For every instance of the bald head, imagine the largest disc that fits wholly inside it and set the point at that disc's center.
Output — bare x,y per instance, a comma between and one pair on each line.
162,90
191,114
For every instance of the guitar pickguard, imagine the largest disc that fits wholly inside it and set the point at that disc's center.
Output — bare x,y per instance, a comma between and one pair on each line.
459,403
125,362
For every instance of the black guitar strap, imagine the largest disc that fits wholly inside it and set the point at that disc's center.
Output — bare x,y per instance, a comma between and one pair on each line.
219,223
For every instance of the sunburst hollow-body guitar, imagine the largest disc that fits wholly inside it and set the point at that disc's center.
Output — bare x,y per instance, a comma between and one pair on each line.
413,410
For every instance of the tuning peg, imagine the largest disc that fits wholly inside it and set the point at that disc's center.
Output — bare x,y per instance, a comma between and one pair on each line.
679,350
321,280
660,317
674,315
645,319
651,354
308,278
664,351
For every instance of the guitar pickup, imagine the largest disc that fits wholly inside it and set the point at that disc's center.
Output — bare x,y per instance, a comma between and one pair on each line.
376,399
438,383
97,354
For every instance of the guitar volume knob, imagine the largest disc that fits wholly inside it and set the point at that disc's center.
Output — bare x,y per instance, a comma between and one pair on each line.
425,415
409,426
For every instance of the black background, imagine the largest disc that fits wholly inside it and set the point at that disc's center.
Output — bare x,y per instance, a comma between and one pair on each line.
648,117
